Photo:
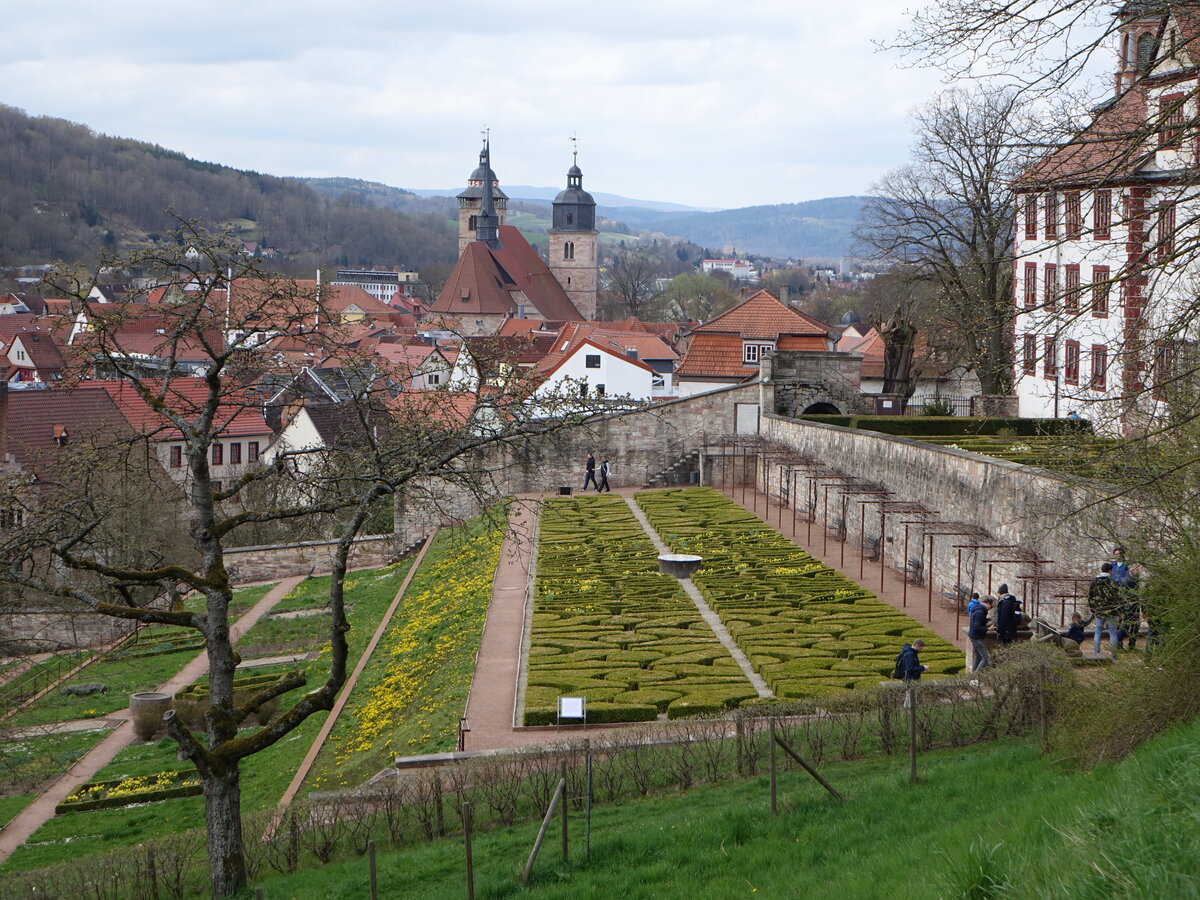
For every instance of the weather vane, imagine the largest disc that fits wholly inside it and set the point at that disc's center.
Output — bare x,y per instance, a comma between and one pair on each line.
574,147
487,133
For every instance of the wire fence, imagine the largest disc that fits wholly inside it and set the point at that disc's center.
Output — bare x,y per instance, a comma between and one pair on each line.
605,767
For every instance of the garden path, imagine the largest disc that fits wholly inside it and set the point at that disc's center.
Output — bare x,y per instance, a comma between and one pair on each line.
41,810
706,612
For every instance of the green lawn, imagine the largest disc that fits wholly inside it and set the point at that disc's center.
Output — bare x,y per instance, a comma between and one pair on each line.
988,821
264,777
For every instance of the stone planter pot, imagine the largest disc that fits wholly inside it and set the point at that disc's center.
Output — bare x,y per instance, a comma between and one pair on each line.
681,565
151,701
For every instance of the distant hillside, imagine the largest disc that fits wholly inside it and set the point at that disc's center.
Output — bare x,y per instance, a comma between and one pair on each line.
547,194
67,193
815,228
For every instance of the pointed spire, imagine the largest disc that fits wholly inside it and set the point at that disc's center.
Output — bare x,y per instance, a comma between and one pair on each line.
487,225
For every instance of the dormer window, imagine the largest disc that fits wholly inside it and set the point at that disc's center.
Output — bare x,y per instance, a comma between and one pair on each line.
753,353
60,435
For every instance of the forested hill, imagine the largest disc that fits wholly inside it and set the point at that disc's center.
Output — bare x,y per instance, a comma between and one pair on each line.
67,193
815,228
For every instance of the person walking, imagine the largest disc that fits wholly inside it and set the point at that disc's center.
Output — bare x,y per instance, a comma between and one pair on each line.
977,632
604,470
590,477
1130,612
1008,616
1104,598
908,664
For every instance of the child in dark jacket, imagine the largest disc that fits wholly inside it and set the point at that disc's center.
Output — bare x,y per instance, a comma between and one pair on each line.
1075,632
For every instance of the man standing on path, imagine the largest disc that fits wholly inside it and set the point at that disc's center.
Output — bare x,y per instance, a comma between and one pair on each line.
603,477
1104,598
590,478
977,632
1008,616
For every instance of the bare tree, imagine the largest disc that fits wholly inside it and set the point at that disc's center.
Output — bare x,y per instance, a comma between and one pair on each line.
632,282
897,306
947,218
243,324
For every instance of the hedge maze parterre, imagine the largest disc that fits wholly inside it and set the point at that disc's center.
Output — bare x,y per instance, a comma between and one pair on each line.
607,626
806,628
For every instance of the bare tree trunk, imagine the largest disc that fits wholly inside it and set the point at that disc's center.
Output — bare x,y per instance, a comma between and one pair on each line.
223,824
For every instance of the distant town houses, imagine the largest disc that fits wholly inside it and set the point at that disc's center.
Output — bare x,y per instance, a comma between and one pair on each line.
737,269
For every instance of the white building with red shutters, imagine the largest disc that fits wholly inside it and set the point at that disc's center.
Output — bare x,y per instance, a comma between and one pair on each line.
1107,227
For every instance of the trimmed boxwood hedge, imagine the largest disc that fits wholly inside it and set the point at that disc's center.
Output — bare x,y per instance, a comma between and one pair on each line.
806,628
919,426
128,798
608,626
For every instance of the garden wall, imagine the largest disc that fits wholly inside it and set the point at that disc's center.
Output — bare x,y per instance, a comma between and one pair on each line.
1068,520
271,563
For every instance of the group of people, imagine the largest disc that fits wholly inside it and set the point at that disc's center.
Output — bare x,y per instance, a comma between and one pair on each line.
592,470
1114,603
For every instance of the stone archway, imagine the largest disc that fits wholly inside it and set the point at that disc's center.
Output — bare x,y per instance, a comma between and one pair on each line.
821,409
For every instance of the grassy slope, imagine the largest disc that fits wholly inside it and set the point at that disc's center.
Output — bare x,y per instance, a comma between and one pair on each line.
985,819
411,697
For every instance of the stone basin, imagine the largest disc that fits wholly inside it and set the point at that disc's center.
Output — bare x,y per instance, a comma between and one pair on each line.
681,565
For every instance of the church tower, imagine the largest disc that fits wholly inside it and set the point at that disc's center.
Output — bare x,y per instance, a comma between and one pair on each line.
470,201
574,247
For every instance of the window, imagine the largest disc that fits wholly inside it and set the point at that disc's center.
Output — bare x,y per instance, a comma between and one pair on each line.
434,378
1170,133
1102,215
1031,218
1050,280
12,518
1074,215
235,453
568,249
472,223
1071,289
176,457
592,361
570,218
752,353
583,391
1099,366
1030,285
218,453
218,485
1100,290
1029,355
1166,230
1145,51
252,451
599,390
1049,357
1071,362
1051,215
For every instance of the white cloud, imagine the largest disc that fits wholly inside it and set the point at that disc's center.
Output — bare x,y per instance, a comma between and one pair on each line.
695,102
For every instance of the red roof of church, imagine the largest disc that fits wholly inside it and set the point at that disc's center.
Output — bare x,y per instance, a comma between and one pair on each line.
490,282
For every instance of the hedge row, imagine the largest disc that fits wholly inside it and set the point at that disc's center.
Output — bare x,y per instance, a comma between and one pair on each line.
609,627
246,682
920,426
806,628
127,791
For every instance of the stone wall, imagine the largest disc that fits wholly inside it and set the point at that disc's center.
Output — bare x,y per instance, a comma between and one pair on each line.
247,565
795,380
1069,521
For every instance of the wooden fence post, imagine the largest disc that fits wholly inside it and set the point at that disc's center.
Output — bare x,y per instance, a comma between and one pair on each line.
587,801
773,807
910,696
739,740
466,816
371,866
438,812
563,776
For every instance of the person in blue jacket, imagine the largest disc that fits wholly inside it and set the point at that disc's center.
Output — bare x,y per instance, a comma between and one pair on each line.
910,660
977,631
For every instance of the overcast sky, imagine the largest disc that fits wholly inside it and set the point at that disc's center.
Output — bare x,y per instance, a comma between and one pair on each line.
708,104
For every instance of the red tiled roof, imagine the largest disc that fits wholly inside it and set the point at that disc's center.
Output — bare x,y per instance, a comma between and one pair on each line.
870,347
1116,144
716,355
33,419
237,416
763,317
490,282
